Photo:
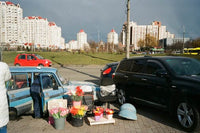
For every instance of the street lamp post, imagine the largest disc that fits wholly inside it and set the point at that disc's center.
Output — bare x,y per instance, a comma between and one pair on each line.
183,38
128,30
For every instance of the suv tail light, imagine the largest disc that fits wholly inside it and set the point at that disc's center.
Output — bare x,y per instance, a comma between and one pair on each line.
113,75
107,71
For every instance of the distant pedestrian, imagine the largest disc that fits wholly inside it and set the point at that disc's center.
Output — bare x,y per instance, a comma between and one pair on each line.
4,111
36,94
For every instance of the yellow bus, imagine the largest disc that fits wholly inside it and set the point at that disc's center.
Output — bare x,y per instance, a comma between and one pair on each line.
192,51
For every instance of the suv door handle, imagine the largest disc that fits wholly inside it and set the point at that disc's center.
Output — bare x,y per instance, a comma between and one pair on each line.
144,79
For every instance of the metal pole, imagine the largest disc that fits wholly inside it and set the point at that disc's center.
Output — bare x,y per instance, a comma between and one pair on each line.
183,37
128,30
1,51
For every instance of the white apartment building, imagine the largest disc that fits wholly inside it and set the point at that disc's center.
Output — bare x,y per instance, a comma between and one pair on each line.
41,33
112,37
54,35
35,31
138,32
73,45
80,44
62,43
29,31
10,23
82,40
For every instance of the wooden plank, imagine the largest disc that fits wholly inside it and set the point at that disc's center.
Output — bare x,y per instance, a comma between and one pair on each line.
103,120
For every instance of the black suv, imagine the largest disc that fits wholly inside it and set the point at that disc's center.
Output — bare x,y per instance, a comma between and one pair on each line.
168,82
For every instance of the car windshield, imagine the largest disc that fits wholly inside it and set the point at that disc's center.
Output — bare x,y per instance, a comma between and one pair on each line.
184,66
62,79
38,56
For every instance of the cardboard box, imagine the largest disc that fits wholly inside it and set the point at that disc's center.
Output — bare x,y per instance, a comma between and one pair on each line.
56,103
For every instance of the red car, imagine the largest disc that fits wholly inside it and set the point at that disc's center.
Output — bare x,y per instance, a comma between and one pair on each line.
31,60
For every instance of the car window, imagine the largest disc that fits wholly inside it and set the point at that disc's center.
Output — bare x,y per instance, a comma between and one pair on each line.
31,57
18,81
39,57
125,65
138,65
48,81
105,67
152,67
114,67
22,56
28,57
61,78
184,66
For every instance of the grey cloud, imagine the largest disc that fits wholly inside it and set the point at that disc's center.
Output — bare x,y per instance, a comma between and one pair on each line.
100,16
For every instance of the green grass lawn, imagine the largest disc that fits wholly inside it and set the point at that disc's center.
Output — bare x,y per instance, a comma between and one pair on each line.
66,58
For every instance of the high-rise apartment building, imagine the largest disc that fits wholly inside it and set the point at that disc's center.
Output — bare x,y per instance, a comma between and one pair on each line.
80,44
62,43
82,40
72,45
10,23
35,31
112,37
54,35
138,32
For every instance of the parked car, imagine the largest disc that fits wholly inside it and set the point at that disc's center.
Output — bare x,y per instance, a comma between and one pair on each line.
107,91
18,88
171,83
31,60
106,73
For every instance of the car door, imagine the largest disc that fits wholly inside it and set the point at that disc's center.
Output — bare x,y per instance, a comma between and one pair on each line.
22,60
27,61
50,87
135,79
123,73
31,60
155,87
19,92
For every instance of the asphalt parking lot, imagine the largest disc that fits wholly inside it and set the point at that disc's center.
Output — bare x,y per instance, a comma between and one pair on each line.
150,120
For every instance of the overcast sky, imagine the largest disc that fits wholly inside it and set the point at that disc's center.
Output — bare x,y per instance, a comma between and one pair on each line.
98,17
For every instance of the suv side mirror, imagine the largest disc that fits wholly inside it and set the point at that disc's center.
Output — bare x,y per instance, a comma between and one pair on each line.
161,73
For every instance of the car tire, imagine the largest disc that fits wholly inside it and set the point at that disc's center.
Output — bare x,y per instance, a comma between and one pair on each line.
121,96
188,116
12,114
41,65
17,65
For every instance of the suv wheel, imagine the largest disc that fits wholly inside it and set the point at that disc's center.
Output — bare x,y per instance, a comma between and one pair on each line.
188,116
121,96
